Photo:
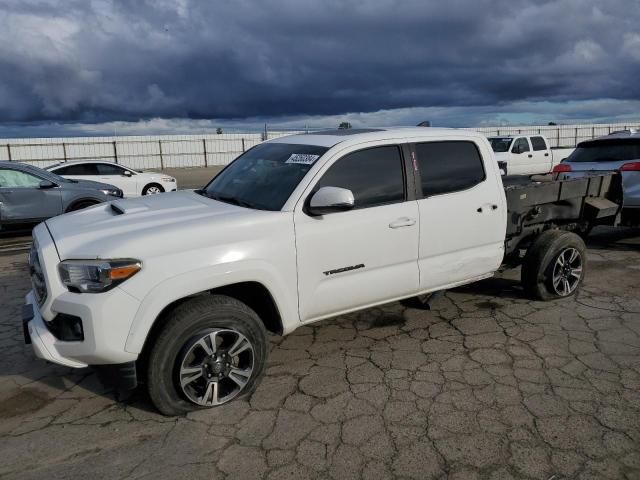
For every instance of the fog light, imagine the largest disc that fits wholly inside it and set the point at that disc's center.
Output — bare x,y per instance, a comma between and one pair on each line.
67,328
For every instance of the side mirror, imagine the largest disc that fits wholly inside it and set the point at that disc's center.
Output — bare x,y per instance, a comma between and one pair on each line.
127,173
44,184
330,200
516,149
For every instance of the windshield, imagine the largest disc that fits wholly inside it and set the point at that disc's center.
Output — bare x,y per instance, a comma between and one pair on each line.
264,176
614,150
500,144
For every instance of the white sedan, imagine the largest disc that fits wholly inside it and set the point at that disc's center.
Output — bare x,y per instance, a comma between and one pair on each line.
133,183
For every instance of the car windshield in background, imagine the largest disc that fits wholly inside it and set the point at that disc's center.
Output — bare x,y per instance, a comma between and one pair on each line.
614,150
264,177
500,144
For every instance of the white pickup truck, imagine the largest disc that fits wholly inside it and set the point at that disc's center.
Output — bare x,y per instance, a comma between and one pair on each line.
178,291
523,154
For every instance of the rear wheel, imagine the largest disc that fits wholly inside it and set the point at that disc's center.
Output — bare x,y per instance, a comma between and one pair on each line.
152,189
212,350
554,265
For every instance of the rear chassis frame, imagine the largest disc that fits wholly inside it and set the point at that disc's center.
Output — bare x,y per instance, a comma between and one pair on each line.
543,202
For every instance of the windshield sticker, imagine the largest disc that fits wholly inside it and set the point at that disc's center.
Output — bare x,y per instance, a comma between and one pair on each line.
302,158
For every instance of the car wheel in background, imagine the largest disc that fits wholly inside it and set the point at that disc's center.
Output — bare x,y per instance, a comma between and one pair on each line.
152,189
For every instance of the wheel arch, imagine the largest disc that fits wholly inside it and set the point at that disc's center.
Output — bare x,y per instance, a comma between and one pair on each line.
253,294
75,202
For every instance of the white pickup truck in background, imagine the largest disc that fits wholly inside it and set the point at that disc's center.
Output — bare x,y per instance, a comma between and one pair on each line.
178,290
523,154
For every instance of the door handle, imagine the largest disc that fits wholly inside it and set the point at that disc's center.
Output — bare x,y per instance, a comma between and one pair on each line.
530,155
402,222
546,154
481,209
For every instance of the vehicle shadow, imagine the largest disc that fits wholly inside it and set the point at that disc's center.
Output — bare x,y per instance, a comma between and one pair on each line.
614,238
494,287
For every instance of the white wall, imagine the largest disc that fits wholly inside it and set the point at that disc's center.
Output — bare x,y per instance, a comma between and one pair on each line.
171,151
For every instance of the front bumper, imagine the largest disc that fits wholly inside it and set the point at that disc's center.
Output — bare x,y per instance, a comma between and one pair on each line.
42,340
106,317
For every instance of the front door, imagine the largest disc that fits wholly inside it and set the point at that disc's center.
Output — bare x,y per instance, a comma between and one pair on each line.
462,214
521,158
118,176
368,255
22,199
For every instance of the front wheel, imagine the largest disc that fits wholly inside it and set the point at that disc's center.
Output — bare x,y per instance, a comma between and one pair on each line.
212,350
152,189
554,265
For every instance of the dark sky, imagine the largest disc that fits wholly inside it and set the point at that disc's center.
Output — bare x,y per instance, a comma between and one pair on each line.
101,61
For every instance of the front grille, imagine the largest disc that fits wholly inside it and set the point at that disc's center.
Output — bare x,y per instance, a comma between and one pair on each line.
37,277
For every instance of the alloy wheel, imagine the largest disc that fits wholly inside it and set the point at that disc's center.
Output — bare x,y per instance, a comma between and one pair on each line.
215,367
567,272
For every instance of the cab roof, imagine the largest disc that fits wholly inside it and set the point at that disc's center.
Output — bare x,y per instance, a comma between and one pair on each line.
330,138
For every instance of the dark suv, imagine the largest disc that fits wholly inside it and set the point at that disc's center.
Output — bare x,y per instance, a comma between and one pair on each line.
618,152
29,195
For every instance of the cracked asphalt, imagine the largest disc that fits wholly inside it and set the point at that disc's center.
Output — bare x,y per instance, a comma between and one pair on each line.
488,384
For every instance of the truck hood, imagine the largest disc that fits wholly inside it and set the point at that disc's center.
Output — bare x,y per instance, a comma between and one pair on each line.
146,226
502,156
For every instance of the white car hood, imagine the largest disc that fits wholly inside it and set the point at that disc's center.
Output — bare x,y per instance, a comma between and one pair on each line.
148,226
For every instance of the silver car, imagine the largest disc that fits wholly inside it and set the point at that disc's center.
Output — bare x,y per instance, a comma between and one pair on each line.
618,152
29,195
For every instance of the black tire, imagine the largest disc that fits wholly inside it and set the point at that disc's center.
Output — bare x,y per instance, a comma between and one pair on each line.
189,322
82,204
540,263
152,186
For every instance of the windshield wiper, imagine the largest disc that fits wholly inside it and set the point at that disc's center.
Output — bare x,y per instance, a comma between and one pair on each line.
233,201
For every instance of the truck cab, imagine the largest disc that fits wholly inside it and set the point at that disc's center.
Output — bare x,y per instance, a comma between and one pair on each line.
523,154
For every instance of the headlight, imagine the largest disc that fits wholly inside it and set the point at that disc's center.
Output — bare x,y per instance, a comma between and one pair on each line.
167,179
114,192
95,276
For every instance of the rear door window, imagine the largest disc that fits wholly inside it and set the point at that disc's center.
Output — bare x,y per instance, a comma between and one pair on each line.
538,144
79,169
447,167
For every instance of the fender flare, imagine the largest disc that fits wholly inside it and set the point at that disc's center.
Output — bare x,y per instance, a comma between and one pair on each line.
208,278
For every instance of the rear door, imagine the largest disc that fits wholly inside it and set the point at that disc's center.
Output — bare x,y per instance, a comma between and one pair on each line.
462,213
22,199
365,256
542,160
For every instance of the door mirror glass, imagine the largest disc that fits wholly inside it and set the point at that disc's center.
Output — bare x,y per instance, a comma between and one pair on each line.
44,184
330,200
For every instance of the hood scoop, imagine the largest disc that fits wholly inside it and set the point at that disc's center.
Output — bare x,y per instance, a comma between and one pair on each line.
120,207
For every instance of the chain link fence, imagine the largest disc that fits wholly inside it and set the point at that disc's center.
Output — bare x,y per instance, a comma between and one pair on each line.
176,151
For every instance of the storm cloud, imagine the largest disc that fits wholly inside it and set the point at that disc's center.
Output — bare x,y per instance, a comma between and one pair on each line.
98,61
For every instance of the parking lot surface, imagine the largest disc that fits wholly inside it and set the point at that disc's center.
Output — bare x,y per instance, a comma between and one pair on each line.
488,384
